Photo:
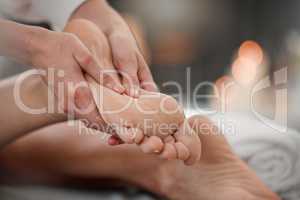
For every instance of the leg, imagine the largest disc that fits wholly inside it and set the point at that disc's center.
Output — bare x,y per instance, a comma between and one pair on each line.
218,175
63,151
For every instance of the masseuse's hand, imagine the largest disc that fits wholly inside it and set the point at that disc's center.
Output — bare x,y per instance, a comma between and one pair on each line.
129,60
66,60
127,57
184,147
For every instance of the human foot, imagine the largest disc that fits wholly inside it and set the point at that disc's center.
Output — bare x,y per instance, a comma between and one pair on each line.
63,151
149,120
220,174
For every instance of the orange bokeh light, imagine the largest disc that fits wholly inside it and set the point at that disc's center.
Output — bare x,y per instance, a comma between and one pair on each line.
251,50
245,67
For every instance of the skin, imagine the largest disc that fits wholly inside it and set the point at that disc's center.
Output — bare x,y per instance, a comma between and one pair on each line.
71,60
128,123
150,120
127,56
45,50
34,94
219,174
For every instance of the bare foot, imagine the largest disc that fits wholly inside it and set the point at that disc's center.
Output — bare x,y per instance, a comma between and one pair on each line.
62,151
148,121
220,174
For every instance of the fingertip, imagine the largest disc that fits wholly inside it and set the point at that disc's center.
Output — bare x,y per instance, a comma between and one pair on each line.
151,87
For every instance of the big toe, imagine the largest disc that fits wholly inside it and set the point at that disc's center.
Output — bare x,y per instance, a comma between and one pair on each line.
189,138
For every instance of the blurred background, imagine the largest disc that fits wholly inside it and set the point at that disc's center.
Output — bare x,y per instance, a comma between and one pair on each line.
218,52
205,45
221,41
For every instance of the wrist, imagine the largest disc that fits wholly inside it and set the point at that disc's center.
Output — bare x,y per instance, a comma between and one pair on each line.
35,39
16,40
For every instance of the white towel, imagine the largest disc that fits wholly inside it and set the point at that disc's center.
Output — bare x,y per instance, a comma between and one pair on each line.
273,155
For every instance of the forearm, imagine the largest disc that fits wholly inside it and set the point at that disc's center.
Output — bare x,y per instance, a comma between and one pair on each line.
18,107
16,40
100,13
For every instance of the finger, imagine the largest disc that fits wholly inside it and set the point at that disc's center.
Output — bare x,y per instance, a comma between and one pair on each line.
86,109
169,152
75,97
182,151
125,61
145,76
187,136
89,64
110,80
152,145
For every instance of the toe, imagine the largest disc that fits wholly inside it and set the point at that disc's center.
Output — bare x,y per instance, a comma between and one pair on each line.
183,152
127,135
169,152
169,139
151,145
138,135
187,136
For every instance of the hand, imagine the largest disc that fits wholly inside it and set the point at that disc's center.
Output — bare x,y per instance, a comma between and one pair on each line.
219,169
127,57
129,60
66,59
94,39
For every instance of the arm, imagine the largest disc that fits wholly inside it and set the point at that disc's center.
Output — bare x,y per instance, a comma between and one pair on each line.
138,120
32,93
64,57
127,57
15,40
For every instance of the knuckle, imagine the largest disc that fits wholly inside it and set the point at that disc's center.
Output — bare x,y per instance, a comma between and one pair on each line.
82,98
87,60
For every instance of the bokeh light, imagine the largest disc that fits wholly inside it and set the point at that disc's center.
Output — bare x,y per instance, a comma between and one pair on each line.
251,50
245,67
